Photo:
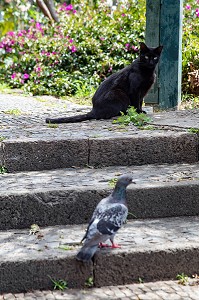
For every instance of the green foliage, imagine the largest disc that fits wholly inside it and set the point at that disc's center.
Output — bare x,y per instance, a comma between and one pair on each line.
89,282
74,56
112,182
2,138
182,278
66,247
131,214
190,53
3,170
14,112
89,43
52,125
132,117
193,130
59,284
190,101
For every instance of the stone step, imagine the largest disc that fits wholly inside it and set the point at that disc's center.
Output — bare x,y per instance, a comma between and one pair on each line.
69,196
155,249
96,143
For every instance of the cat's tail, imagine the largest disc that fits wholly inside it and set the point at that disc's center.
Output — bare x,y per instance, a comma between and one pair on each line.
72,119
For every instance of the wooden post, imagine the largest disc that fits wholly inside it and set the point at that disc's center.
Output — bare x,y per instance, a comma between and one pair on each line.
164,27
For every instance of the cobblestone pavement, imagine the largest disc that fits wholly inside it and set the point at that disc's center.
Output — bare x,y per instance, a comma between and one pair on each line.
161,290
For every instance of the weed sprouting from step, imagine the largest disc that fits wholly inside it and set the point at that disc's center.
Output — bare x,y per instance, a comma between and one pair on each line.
140,280
34,228
14,112
89,282
148,127
59,284
132,117
3,170
2,138
193,130
52,125
112,182
131,214
182,278
66,247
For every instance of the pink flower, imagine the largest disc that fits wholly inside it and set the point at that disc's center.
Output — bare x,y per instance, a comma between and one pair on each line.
69,7
26,76
135,48
127,46
13,75
123,15
73,49
38,69
197,14
11,33
38,25
188,6
71,41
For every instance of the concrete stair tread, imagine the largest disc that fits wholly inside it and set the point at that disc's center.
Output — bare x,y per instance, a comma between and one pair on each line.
59,196
98,143
90,178
151,249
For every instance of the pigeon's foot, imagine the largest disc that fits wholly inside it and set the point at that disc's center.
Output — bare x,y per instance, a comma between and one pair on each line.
102,245
115,246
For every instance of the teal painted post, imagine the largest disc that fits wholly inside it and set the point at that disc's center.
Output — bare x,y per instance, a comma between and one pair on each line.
153,40
169,34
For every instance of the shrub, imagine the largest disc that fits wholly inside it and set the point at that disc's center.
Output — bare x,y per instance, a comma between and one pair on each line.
87,45
84,48
190,53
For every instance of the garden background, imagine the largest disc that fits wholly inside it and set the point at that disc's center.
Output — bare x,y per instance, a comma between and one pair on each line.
90,41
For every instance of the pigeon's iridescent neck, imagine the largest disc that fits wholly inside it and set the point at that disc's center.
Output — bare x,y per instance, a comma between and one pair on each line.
119,193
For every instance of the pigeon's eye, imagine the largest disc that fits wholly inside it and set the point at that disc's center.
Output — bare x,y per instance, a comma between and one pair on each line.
155,58
146,57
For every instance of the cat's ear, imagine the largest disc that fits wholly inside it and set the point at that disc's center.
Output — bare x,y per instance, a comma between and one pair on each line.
143,47
158,50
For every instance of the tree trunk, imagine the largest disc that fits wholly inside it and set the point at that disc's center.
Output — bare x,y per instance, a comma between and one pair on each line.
48,9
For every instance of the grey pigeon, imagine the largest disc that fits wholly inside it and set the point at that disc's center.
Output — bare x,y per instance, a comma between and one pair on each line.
109,215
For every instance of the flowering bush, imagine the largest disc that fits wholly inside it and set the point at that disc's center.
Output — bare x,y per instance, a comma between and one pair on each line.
86,46
190,53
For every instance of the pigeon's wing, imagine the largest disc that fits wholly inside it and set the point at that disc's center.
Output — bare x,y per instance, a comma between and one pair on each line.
97,212
112,219
107,222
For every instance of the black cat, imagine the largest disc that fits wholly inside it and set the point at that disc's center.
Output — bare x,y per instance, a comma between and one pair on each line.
122,89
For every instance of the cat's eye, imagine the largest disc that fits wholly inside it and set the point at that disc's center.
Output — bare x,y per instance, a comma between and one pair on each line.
155,58
146,57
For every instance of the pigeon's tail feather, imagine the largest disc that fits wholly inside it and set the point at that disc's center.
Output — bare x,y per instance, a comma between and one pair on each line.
72,119
86,253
